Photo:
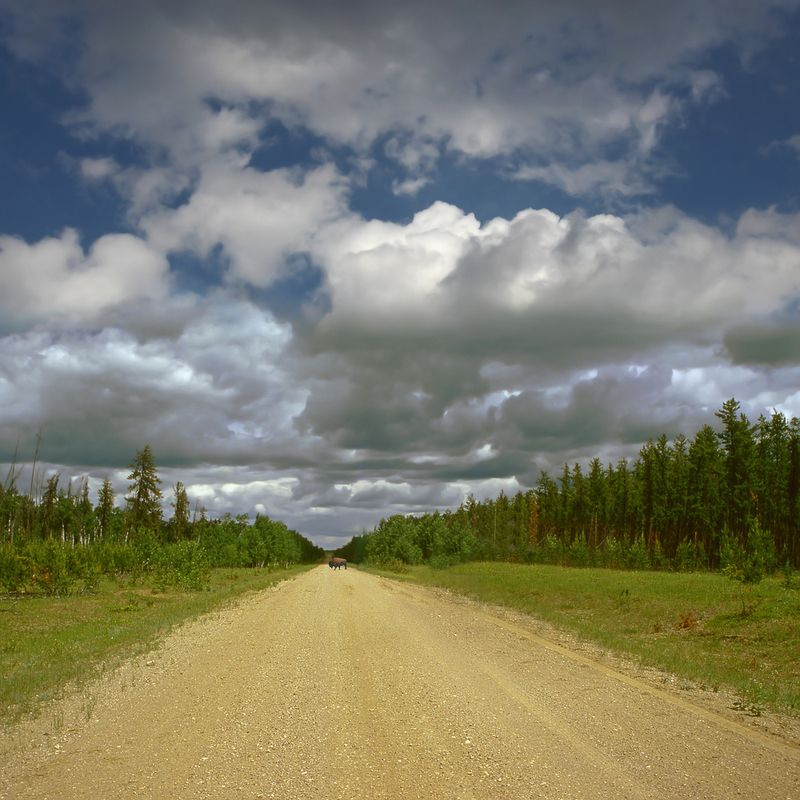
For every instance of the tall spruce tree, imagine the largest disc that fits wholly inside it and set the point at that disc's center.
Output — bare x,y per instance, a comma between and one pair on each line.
736,437
793,494
597,502
618,480
47,508
144,495
548,508
84,515
678,490
705,502
180,518
771,475
105,508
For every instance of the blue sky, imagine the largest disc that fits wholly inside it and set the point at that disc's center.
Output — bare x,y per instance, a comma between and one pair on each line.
334,264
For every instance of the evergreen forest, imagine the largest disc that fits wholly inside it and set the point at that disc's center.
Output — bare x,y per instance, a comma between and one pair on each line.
53,540
726,498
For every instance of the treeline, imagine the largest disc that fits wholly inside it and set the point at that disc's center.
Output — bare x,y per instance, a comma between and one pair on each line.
438,539
53,539
699,503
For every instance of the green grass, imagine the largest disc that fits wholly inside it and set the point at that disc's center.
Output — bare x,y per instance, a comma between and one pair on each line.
47,643
698,626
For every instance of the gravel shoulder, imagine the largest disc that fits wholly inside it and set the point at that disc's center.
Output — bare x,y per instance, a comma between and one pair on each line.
341,684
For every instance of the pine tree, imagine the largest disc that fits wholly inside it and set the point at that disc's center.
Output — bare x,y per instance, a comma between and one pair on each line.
548,508
105,508
737,445
661,454
678,489
565,496
518,523
180,518
83,514
644,484
47,508
580,503
793,494
144,496
771,476
597,497
618,481
533,522
704,491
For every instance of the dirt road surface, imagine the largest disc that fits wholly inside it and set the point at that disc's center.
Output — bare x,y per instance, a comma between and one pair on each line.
340,684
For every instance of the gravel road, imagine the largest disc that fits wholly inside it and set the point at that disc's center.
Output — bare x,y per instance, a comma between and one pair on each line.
340,684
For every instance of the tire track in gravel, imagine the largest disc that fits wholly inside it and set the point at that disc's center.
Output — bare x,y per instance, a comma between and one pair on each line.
340,684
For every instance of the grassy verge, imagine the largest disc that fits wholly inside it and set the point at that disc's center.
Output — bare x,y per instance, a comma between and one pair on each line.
47,643
698,626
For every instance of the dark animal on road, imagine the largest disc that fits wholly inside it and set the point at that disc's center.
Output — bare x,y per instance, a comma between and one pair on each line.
337,563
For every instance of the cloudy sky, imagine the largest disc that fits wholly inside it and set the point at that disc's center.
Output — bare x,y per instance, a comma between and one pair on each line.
338,261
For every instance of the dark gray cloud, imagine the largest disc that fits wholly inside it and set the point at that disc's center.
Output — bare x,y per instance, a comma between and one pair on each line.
767,344
619,406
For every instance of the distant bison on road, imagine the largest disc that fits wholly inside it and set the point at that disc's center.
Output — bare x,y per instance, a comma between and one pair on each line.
337,563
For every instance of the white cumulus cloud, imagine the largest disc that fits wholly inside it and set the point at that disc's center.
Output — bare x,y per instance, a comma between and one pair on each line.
54,279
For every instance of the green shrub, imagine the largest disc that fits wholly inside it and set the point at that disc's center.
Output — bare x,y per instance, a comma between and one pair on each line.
658,559
579,552
85,565
690,557
551,550
13,571
611,554
114,558
50,570
749,564
184,565
638,556
145,553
